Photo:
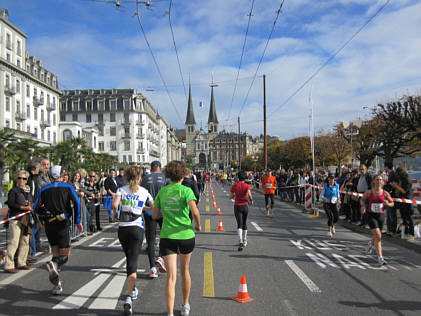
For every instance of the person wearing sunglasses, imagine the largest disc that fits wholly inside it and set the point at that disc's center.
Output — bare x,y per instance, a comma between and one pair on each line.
19,201
92,202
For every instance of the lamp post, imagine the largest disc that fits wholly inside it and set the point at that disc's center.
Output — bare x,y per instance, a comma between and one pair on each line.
352,129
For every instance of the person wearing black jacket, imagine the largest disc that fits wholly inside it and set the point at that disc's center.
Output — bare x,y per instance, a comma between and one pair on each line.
188,181
19,200
34,186
111,188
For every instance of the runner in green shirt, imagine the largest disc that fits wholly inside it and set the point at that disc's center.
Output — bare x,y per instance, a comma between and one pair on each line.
173,203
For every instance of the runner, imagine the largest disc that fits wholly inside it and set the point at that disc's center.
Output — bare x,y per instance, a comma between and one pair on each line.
55,204
153,182
377,199
331,198
173,203
269,185
130,231
242,193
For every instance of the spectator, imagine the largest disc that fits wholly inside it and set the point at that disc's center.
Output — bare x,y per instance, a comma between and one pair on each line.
33,183
120,179
111,189
402,186
363,185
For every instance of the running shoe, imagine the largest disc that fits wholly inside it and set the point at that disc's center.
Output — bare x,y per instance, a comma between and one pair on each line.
185,309
135,294
153,274
240,246
381,261
333,230
370,248
57,289
53,273
245,243
127,307
161,264
330,234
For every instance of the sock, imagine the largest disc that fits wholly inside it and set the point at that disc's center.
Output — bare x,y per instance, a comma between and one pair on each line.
245,234
240,234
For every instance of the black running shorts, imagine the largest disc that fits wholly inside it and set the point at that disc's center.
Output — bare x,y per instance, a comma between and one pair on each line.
176,246
58,233
375,220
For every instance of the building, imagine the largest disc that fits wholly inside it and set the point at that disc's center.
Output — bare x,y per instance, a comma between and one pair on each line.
213,149
128,125
29,93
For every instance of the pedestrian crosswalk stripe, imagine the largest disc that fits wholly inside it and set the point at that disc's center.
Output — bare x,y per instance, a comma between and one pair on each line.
81,296
109,296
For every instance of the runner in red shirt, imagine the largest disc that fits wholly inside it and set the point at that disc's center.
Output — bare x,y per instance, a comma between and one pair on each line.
269,185
242,192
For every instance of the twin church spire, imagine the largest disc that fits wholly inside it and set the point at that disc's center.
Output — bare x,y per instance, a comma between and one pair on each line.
212,119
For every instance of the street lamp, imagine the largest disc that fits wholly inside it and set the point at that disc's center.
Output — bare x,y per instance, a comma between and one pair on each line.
351,129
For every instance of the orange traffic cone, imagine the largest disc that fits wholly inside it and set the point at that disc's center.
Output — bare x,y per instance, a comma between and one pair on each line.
218,212
243,296
214,204
220,226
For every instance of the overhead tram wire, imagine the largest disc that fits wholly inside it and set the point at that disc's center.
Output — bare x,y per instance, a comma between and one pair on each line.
263,55
175,48
241,59
156,63
331,58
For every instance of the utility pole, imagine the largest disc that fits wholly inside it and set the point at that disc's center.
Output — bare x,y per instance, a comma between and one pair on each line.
265,144
239,146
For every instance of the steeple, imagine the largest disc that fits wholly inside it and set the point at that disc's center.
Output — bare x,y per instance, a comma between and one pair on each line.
190,114
212,110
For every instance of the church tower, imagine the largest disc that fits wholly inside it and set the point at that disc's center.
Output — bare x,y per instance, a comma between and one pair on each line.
190,127
212,120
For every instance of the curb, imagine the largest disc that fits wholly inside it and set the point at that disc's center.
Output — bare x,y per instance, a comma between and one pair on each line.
408,244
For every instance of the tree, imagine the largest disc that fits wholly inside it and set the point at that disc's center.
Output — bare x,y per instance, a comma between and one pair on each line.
298,152
6,137
323,150
399,127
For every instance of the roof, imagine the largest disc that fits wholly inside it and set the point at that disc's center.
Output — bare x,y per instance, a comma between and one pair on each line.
212,110
190,114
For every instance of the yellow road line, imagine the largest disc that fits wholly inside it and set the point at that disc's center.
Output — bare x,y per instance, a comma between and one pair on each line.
207,226
208,284
207,208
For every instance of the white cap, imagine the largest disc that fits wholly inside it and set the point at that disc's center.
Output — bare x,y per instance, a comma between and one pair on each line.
56,171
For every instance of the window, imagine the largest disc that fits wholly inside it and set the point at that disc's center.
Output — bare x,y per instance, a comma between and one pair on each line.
112,117
17,106
42,115
82,106
8,41
42,134
18,126
7,123
113,146
127,131
54,137
138,158
28,91
48,135
35,114
100,117
74,105
17,86
126,103
129,158
101,105
88,118
63,117
48,99
7,104
54,119
28,111
7,83
112,131
95,106
101,146
35,92
8,57
18,48
28,129
126,118
101,130
127,145
36,132
113,105
42,96
18,63
63,106
67,134
74,117
124,158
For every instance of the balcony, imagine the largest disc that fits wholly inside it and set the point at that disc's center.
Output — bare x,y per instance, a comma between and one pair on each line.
140,136
124,122
38,101
140,151
9,90
20,116
45,123
125,136
100,123
140,122
154,153
51,106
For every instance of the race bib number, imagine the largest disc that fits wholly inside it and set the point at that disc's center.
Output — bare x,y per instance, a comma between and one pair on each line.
268,186
377,207
333,200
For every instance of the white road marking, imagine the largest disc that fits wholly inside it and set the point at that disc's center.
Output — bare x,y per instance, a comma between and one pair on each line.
258,228
303,277
321,260
291,310
108,298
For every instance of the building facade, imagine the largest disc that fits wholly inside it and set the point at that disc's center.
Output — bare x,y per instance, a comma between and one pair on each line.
128,125
29,93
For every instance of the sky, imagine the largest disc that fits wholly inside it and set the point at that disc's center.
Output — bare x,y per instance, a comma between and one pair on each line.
93,44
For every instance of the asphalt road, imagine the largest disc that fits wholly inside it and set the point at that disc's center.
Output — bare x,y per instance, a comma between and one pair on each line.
291,266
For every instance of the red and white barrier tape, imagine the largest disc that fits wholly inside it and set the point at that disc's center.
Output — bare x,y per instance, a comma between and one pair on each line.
14,217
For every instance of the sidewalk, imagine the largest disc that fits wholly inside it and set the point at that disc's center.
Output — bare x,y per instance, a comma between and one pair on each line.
408,243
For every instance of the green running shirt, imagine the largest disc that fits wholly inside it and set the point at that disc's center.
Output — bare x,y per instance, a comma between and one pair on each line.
173,200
